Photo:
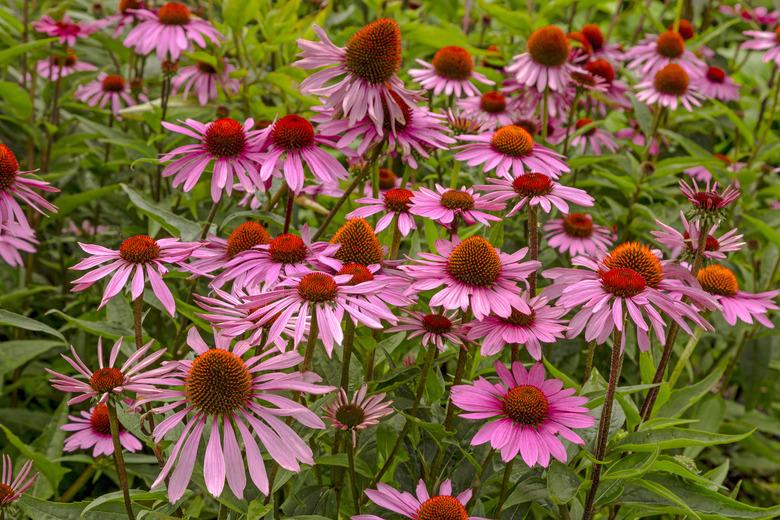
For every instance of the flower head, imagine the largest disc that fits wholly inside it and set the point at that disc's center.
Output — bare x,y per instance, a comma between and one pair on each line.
450,72
446,205
576,234
360,412
687,242
358,243
736,304
546,64
65,29
203,78
12,488
768,41
216,251
437,328
492,108
92,430
657,51
15,186
59,66
592,138
717,84
395,204
709,201
14,240
107,90
443,506
671,86
536,189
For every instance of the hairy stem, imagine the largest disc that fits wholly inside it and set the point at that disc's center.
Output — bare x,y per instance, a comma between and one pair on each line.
119,459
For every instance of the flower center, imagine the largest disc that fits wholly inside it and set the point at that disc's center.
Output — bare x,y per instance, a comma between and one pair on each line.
512,140
287,249
292,132
585,122
219,382
6,492
113,83
245,237
578,225
527,405
639,258
708,199
139,249
685,29
601,68
374,52
225,138
437,323
456,199
549,46
716,74
442,507
670,44
777,34
453,63
386,179
350,415
492,102
65,61
99,419
672,80
106,379
622,282
124,5
9,167
711,244
474,262
594,36
716,279
174,13
532,185
205,68
398,199
359,273
359,244
521,319
317,287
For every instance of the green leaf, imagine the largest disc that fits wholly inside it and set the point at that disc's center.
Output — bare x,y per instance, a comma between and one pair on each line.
21,294
136,495
15,99
23,322
515,19
642,115
237,13
14,354
7,55
682,399
562,483
71,201
673,438
173,223
44,510
340,460
101,329
666,493
772,234
51,470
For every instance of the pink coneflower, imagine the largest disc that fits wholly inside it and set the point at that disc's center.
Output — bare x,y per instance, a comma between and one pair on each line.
708,200
394,203
765,40
600,49
356,414
461,123
446,205
657,51
760,15
216,252
12,488
233,147
593,138
688,241
735,304
223,390
126,15
576,234
630,275
475,275
493,109
107,89
291,142
510,149
717,84
170,31
360,80
16,184
450,72
442,506
634,134
546,64
536,189
615,91
56,67
530,411
139,256
15,239
435,328
132,376
65,29
203,78
283,256
93,431
541,325
671,86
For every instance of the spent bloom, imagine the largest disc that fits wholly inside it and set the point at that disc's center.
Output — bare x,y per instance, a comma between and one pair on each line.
422,506
202,79
709,200
450,73
435,328
12,488
576,234
92,430
361,412
535,189
546,64
735,303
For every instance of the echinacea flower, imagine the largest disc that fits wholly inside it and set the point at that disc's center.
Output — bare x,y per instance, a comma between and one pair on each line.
671,86
657,51
615,90
688,241
65,29
736,304
360,80
761,15
231,147
92,430
492,108
717,84
293,142
541,325
170,31
141,257
459,122
434,328
599,47
509,151
12,488
442,506
536,189
126,15
530,413
446,205
58,66
475,274
107,90
216,252
708,200
223,390
768,41
356,414
634,134
358,243
703,173
203,79
546,64
450,72
395,204
576,234
16,184
133,375
593,138
15,239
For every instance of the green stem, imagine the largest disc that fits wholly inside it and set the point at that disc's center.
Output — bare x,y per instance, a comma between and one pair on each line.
74,488
454,176
349,338
589,361
353,474
502,495
212,213
533,246
570,121
685,356
119,459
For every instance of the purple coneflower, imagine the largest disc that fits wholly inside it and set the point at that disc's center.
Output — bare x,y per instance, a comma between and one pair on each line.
65,29
60,66
446,205
709,201
360,412
657,51
671,86
717,84
216,252
492,109
535,189
92,430
768,41
434,328
16,184
15,239
422,506
202,79
761,15
546,64
736,304
593,138
576,234
450,72
12,488
107,90
395,203
687,242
